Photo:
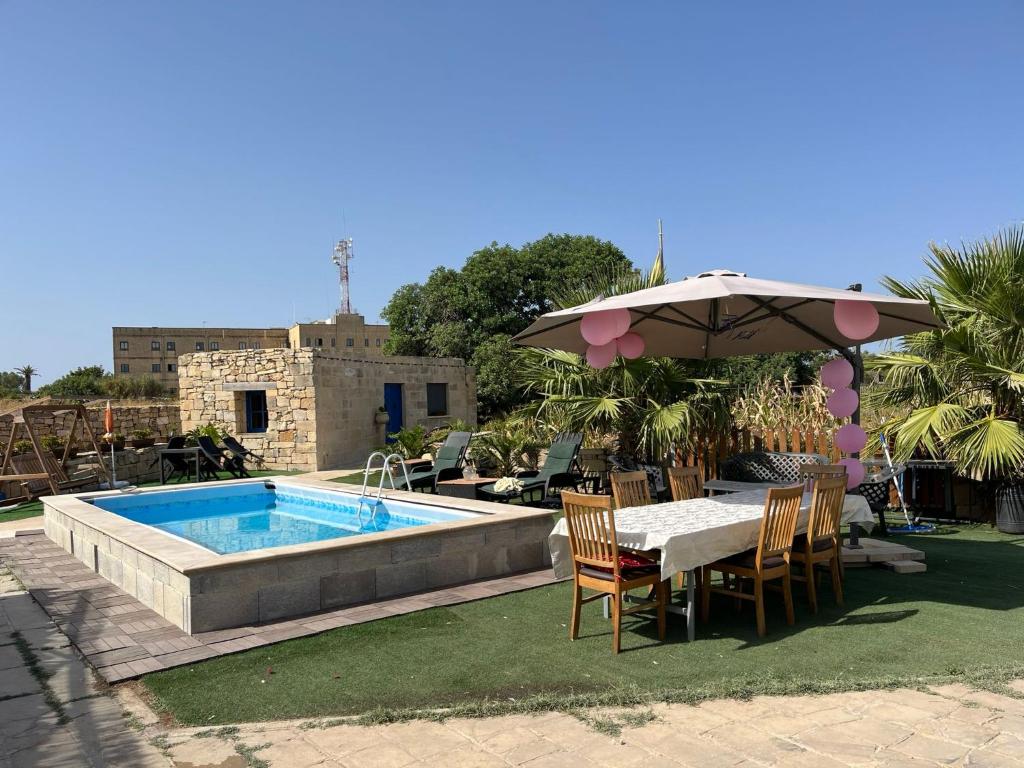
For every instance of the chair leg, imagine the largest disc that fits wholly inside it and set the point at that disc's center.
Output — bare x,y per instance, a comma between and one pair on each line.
663,589
787,595
705,598
762,630
812,584
616,620
577,603
837,580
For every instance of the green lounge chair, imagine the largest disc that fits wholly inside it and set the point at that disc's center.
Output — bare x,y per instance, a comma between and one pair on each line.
560,470
447,465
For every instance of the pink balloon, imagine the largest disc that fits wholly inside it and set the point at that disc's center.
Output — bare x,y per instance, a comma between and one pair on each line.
601,355
604,325
842,403
631,345
851,438
837,374
854,473
855,319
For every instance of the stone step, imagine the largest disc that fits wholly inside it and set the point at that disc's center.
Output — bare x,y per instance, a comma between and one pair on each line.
905,566
874,551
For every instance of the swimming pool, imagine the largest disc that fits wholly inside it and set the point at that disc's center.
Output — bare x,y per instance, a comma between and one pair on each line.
241,518
240,552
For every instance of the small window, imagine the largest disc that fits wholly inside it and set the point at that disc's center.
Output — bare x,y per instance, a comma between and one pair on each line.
155,368
437,399
378,342
255,345
334,341
366,342
123,346
154,346
309,342
350,342
200,346
256,411
170,346
172,367
241,345
214,346
319,342
124,367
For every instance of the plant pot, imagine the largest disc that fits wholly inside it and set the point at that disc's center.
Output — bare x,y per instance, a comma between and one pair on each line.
381,418
118,446
142,442
58,453
1010,509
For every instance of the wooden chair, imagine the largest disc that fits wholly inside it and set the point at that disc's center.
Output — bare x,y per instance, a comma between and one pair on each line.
630,489
598,564
686,483
810,473
821,542
768,562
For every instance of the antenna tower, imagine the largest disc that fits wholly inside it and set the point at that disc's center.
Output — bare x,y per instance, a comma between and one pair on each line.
342,255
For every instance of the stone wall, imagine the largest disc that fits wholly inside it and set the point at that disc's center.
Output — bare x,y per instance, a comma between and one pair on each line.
161,417
134,465
350,390
213,385
321,407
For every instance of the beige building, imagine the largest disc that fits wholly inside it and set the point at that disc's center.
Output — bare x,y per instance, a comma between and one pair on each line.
154,352
310,409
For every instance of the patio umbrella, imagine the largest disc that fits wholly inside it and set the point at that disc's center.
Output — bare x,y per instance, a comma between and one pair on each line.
726,314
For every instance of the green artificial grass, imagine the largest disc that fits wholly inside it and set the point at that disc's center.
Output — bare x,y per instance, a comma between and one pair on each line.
35,508
960,620
356,478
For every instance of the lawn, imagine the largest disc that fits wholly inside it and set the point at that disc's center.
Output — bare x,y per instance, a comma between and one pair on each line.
961,619
35,508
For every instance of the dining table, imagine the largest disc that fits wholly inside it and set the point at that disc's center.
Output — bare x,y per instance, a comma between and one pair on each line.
696,532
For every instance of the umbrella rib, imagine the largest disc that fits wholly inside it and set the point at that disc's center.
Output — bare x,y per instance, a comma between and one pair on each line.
745,321
555,327
842,349
680,312
695,325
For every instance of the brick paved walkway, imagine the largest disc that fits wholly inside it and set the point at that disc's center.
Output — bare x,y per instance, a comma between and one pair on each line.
902,729
123,639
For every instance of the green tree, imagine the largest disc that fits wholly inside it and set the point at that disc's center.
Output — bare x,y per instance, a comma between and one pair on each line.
11,383
27,372
81,382
470,313
960,387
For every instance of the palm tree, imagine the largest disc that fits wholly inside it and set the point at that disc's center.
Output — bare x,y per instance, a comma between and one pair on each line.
649,403
26,372
960,387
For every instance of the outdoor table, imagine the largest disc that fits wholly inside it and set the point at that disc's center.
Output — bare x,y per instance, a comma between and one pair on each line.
694,533
194,451
463,487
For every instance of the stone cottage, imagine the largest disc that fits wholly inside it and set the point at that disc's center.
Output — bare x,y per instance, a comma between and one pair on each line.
309,409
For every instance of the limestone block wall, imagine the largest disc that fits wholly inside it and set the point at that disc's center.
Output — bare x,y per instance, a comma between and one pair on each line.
212,387
162,417
349,391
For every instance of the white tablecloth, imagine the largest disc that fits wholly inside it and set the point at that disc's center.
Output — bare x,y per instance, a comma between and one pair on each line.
698,531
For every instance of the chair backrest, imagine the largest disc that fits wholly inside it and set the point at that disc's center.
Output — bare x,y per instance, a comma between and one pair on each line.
826,508
561,457
811,473
449,456
176,442
630,489
686,483
232,444
210,448
591,524
778,526
458,439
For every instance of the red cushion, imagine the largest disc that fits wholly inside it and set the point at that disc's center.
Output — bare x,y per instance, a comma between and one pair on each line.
628,561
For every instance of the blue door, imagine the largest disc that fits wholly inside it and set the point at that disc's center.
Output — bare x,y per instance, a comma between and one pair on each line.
393,405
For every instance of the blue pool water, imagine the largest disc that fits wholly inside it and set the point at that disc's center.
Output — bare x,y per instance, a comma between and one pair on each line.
246,516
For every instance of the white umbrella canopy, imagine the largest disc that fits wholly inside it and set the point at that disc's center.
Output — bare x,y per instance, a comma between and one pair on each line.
725,314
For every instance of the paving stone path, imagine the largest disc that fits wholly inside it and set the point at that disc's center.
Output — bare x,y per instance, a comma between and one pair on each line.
53,710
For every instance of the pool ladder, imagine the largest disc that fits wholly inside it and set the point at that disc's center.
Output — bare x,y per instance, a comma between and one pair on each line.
384,471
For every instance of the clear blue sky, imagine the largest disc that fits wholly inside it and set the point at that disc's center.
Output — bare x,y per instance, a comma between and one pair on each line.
179,162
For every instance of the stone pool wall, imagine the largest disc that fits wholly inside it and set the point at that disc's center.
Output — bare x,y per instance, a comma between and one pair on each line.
200,591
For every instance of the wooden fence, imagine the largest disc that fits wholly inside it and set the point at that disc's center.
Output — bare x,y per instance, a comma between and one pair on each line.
712,450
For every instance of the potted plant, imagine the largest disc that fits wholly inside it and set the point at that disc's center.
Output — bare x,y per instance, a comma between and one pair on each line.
21,447
118,442
381,416
56,446
142,438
